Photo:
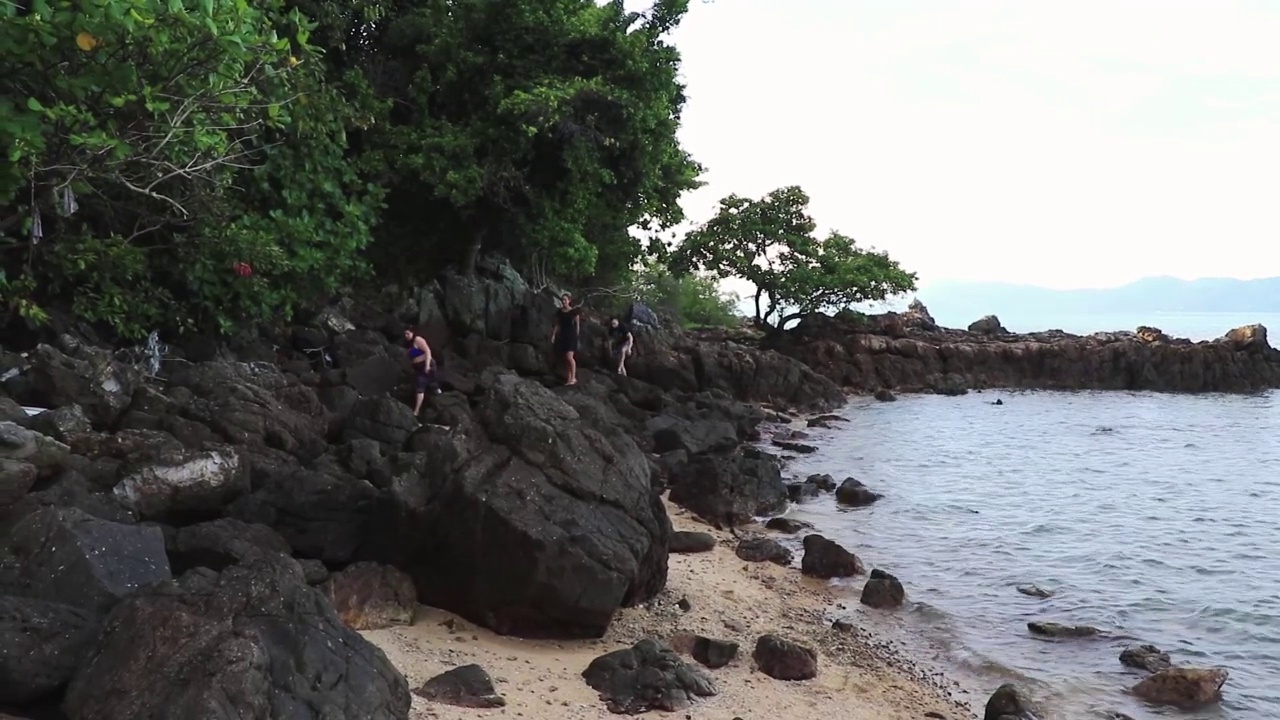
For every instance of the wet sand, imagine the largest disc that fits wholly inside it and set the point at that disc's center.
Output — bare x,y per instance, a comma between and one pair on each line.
858,677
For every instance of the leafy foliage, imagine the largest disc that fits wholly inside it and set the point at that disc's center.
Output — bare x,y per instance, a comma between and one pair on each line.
771,243
692,300
152,144
540,129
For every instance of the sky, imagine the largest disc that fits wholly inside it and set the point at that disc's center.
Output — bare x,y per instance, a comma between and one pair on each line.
1067,144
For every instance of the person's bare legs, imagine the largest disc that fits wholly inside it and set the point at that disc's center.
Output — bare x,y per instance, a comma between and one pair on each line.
417,402
622,363
573,369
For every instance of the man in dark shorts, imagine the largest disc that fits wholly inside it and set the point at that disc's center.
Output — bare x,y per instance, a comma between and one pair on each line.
564,336
424,368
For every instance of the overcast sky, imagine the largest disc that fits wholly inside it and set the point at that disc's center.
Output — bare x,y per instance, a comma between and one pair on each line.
1067,144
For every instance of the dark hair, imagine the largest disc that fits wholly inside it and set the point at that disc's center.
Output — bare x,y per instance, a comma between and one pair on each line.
566,296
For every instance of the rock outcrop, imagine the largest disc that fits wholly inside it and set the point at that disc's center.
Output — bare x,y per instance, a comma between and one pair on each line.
904,352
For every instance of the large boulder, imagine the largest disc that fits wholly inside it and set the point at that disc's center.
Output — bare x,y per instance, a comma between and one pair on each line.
730,489
1248,337
1183,687
988,325
68,556
220,543
76,374
41,643
527,519
20,445
253,642
183,484
647,676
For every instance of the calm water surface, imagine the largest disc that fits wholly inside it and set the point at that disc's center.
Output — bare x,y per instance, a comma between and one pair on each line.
1152,516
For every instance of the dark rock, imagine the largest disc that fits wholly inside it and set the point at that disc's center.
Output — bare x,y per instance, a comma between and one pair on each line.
253,641
822,481
825,558
182,484
853,493
62,423
80,375
842,626
989,325
72,490
369,596
640,314
883,591
763,549
1250,338
16,479
528,520
1058,630
885,395
1183,687
323,514
795,447
1145,657
647,676
1034,591
466,686
800,492
1008,703
790,526
671,434
41,643
782,659
375,376
68,556
11,411
683,541
714,654
313,571
220,543
730,489
382,419
19,444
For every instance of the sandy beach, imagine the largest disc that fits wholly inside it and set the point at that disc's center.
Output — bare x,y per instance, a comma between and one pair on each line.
731,600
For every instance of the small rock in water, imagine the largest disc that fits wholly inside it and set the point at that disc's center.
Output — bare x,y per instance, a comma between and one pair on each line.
885,395
1058,630
787,525
1145,657
883,591
1034,591
853,492
1183,687
1008,703
467,686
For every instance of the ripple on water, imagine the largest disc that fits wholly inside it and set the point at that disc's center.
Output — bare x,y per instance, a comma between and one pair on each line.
1146,514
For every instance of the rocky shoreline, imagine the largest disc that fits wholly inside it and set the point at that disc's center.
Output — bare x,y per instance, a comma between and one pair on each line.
208,537
909,352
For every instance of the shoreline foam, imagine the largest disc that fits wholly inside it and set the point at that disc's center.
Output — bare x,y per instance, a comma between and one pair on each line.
859,677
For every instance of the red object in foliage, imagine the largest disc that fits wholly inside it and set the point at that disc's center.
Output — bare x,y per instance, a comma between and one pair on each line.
243,269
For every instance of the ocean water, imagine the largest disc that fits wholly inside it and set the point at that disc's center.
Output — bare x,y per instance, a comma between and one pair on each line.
1151,516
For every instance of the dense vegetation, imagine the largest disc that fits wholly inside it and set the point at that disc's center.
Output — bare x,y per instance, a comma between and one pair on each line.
196,164
771,243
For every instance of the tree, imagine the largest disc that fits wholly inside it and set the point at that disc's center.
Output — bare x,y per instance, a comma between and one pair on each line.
154,144
691,299
541,129
770,242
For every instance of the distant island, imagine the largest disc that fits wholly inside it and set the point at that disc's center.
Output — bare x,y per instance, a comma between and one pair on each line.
1148,295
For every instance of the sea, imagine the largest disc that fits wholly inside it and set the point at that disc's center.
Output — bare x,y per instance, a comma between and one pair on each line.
1151,516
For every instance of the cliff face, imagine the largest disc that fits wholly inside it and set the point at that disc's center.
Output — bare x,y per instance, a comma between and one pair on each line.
908,352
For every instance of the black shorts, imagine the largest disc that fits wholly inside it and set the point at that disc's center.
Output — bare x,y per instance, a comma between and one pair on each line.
424,381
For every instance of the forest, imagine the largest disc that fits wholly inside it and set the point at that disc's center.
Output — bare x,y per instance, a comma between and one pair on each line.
193,165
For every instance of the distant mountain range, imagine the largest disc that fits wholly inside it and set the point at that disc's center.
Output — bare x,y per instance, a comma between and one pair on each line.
1149,295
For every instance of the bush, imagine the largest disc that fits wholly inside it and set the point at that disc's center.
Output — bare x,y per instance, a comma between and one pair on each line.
691,300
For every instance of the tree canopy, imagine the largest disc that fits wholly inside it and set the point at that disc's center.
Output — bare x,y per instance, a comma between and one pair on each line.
771,243
157,148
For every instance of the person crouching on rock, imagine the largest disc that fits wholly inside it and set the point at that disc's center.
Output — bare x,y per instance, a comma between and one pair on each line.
564,336
620,342
424,368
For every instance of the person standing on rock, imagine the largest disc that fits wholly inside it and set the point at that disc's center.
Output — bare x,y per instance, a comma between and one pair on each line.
424,368
620,343
564,336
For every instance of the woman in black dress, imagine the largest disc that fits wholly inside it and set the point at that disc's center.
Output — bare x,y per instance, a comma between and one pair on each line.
564,336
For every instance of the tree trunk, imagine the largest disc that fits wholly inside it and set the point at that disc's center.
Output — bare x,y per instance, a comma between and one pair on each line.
472,258
759,317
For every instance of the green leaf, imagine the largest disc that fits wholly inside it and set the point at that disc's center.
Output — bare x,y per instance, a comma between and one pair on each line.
34,105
